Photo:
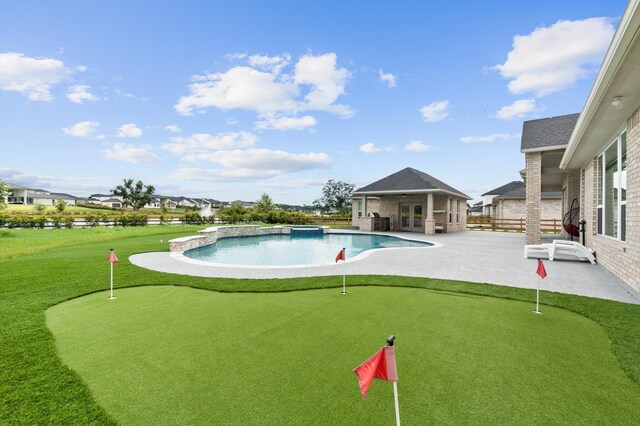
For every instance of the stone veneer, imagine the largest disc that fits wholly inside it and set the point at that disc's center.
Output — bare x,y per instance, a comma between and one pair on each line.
622,258
211,235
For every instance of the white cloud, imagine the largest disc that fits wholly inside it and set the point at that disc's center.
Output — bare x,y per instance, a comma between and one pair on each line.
490,138
518,109
79,93
173,128
286,123
264,88
273,64
252,164
31,77
293,184
370,148
417,146
388,78
71,184
326,80
240,87
435,111
131,153
553,58
129,130
83,129
266,159
203,142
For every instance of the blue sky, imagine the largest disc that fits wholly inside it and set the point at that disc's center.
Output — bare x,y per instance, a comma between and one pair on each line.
232,99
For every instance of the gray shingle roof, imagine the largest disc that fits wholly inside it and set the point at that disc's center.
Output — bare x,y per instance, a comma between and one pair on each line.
505,188
546,132
409,179
520,193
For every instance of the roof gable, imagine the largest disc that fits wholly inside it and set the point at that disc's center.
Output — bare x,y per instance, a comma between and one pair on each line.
547,132
409,179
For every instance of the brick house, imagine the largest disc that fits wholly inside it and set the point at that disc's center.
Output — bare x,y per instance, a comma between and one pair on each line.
600,163
409,200
512,204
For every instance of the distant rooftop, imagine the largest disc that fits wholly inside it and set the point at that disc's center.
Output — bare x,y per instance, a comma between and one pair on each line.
505,188
547,132
520,193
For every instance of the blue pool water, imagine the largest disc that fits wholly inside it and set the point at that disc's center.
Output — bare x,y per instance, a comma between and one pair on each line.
286,250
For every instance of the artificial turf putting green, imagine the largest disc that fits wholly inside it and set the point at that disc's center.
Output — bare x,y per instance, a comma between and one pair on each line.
168,354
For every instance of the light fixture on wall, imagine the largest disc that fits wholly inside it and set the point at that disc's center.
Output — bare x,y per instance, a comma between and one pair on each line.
617,102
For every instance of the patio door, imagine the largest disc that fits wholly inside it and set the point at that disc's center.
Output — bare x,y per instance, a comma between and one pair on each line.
411,217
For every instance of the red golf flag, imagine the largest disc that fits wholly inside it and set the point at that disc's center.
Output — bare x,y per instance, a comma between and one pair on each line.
541,271
112,257
382,365
341,256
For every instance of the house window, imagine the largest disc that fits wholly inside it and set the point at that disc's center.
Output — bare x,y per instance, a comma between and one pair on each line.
457,211
612,189
359,209
450,210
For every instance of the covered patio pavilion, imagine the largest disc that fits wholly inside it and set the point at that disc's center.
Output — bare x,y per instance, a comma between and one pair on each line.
409,200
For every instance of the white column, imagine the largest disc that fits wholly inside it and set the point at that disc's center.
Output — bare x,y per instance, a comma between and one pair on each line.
364,205
430,206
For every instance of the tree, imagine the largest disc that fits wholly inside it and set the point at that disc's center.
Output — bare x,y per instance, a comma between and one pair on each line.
336,197
5,190
234,213
60,205
264,204
136,196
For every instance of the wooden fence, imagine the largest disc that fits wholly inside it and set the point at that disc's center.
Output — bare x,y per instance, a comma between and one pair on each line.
486,223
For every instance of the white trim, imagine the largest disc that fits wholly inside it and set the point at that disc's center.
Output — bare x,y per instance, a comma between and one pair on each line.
544,148
606,74
413,192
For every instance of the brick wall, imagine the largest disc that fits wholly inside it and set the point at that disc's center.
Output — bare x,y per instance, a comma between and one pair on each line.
550,208
533,184
621,258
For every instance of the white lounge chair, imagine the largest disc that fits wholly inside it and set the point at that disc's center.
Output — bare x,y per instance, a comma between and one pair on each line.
560,247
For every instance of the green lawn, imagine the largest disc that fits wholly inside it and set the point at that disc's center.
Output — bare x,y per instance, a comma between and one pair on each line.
586,366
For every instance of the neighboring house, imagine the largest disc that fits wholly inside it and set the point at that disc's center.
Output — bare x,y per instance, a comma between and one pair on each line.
153,204
31,196
112,202
600,163
512,204
412,201
475,210
487,197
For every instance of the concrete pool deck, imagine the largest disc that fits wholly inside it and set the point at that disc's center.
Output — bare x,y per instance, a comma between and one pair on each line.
476,256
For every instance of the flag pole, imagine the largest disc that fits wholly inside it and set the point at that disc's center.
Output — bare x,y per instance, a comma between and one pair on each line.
537,311
395,398
395,386
111,293
344,272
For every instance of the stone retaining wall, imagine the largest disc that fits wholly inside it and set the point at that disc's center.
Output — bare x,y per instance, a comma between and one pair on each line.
211,235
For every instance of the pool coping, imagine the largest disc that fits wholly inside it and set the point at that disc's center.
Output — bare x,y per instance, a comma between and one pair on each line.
179,255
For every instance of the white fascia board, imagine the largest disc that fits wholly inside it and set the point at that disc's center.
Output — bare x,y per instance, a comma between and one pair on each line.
607,72
413,191
544,149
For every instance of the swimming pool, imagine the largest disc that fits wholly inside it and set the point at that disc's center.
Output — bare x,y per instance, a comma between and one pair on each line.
291,250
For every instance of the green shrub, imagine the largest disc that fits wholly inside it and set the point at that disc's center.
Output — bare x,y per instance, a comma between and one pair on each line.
193,218
131,219
94,219
24,221
39,208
